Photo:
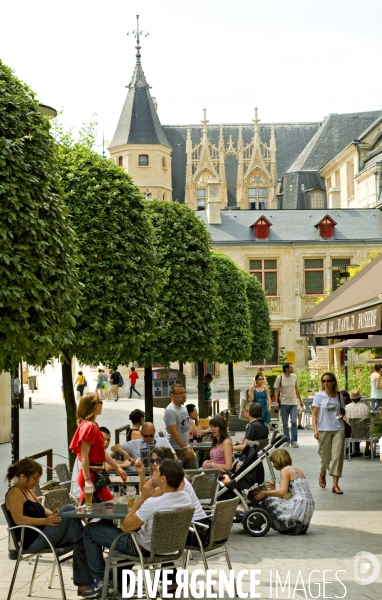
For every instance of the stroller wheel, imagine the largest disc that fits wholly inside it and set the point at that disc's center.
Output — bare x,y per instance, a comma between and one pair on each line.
256,522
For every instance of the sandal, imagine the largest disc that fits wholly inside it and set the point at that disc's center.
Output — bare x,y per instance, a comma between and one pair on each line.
336,490
322,481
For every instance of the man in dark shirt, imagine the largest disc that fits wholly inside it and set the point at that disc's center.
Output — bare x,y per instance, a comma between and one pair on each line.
256,429
114,384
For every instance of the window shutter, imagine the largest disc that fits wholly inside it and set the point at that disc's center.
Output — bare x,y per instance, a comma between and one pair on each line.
262,230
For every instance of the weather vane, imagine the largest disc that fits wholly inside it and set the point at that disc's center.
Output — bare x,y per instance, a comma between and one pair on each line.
137,33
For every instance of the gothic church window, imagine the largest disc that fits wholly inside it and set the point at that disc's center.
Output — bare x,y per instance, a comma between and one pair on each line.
120,161
143,160
317,199
257,198
201,199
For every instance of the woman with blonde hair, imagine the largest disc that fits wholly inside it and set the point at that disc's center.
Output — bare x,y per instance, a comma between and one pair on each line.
24,508
328,409
88,445
291,505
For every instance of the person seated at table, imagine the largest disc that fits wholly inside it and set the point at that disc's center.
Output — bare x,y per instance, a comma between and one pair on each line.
165,497
132,450
24,508
357,410
137,418
291,505
124,464
221,452
88,443
158,455
256,430
193,418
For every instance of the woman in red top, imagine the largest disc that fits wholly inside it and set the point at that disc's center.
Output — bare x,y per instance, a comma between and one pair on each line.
88,444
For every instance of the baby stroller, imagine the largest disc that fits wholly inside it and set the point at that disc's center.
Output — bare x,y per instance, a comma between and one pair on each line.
248,471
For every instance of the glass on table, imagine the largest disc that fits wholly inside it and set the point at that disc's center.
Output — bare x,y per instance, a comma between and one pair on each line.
130,493
88,501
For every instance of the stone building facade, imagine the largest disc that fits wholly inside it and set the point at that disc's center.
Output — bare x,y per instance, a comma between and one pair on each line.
270,195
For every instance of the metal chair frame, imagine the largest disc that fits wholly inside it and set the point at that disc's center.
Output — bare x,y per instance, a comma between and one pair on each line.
364,422
60,555
216,545
159,550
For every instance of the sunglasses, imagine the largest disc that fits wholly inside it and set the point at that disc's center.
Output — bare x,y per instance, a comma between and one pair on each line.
327,380
156,460
100,401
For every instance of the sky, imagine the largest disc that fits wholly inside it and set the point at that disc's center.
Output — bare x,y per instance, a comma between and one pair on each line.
298,61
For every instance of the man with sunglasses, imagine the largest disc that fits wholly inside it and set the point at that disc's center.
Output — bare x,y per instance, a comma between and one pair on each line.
132,450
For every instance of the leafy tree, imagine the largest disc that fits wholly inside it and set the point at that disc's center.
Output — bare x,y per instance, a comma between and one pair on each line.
261,339
117,274
38,294
235,341
186,316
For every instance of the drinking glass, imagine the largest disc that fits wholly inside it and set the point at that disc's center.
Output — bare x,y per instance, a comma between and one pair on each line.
130,493
88,501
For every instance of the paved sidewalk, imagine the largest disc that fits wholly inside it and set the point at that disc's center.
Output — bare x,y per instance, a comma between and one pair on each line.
341,527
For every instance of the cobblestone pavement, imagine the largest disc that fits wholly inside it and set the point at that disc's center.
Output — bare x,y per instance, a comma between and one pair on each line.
341,527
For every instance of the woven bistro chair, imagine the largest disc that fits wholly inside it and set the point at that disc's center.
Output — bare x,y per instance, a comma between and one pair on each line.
64,477
360,431
58,499
59,555
221,525
168,540
205,485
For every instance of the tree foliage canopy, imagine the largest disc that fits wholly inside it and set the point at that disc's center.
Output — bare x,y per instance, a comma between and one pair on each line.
261,338
117,272
234,317
38,295
186,316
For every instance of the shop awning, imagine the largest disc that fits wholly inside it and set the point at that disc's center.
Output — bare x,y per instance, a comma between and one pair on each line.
355,308
373,341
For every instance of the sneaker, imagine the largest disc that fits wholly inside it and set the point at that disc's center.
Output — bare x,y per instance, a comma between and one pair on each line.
294,445
94,591
117,398
286,444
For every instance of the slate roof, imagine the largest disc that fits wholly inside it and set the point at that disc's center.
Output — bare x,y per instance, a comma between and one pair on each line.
291,139
296,226
336,132
139,122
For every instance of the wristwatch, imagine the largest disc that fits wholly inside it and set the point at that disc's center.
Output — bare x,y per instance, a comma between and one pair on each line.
186,447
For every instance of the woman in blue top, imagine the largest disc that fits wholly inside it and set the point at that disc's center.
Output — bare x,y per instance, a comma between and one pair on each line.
259,393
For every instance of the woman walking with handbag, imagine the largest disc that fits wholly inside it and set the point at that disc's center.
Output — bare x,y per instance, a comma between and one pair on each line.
328,410
88,445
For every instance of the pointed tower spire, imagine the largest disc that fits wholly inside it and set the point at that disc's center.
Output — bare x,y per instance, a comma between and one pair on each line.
138,79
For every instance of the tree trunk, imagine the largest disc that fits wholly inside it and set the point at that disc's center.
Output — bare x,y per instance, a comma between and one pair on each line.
181,366
70,402
149,408
231,386
201,402
15,416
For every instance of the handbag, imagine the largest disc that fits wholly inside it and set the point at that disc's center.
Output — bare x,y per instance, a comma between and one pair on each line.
101,480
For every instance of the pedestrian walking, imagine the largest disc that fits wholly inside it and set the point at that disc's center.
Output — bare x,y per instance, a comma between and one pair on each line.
207,393
328,409
286,390
376,387
133,376
259,392
114,384
177,425
80,382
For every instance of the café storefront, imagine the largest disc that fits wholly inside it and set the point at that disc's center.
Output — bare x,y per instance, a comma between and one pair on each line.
354,310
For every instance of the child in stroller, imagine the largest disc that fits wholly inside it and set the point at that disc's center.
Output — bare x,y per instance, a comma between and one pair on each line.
247,474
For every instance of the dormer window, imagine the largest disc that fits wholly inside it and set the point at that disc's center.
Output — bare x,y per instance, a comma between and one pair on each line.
261,228
326,228
143,160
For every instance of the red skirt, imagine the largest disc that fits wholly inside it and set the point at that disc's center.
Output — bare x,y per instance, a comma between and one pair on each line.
104,495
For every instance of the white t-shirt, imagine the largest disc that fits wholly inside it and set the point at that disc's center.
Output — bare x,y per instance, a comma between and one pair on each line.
326,420
287,388
167,502
134,447
177,415
199,513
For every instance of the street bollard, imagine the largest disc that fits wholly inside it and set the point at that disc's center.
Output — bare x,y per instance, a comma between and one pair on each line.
30,402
